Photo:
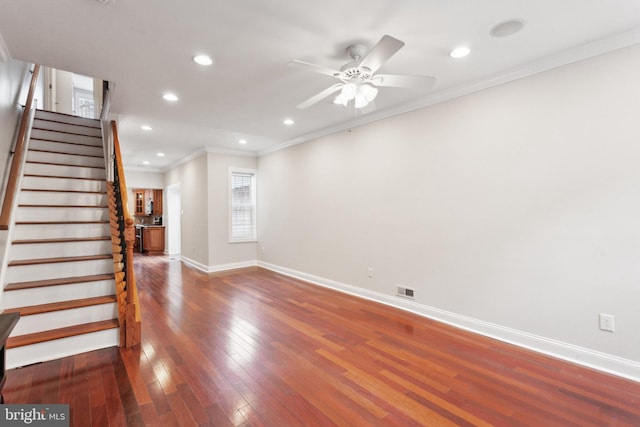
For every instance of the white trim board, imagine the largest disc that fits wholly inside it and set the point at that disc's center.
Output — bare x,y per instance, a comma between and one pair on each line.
218,267
582,356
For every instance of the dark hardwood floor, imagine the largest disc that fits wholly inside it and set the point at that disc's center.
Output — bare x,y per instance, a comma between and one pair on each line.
253,348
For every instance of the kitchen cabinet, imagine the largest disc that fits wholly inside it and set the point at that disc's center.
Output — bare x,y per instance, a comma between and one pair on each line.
138,197
157,202
153,240
148,202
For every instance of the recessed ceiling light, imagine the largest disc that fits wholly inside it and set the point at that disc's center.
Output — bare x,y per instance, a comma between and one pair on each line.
170,97
242,141
202,60
506,28
160,154
146,127
145,162
460,52
288,122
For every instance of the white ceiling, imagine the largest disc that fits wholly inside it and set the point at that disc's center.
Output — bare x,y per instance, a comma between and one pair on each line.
146,46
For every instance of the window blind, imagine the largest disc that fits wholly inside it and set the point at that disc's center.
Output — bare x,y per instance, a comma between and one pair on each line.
243,209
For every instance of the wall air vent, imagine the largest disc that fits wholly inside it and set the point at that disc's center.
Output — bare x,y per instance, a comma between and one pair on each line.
405,292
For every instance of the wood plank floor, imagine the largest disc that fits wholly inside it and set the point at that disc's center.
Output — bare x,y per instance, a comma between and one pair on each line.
253,348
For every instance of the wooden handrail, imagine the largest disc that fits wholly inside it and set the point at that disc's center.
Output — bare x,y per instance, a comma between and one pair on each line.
12,183
132,310
118,159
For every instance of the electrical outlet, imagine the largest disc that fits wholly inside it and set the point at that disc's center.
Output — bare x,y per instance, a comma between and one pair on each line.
607,322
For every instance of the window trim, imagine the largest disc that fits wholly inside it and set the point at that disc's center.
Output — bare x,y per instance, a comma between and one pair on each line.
254,173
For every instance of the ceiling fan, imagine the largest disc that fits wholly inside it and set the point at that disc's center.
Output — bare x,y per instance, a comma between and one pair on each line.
358,79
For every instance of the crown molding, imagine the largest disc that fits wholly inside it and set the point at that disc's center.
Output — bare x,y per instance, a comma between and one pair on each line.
569,56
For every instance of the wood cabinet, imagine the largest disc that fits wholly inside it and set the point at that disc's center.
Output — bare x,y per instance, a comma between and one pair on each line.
157,202
147,202
153,240
138,197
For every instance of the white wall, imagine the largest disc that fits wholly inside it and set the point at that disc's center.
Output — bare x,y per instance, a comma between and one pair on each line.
139,179
223,254
192,177
204,186
14,77
518,206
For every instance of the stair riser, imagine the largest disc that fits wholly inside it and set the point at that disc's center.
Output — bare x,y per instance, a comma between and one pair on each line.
59,231
63,318
49,294
42,352
36,144
63,170
65,127
65,137
63,184
36,156
41,114
59,198
63,214
68,249
28,273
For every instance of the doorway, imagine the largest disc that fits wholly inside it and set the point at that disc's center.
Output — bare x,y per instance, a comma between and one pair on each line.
69,93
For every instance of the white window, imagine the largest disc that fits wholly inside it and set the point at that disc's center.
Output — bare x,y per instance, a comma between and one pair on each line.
242,203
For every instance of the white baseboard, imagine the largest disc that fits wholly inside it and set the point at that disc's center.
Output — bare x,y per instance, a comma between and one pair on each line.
582,356
218,267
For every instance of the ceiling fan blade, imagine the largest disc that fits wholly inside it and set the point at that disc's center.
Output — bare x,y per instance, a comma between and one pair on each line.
385,49
410,82
320,96
315,68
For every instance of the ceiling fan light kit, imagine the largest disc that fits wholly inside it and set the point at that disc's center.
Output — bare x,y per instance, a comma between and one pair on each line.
359,81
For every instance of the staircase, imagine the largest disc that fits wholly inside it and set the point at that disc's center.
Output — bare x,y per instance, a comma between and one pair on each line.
60,274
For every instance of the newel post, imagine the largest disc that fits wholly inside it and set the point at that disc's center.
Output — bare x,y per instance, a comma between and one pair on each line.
132,322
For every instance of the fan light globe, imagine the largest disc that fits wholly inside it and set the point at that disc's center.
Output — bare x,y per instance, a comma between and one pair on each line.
361,93
340,100
368,92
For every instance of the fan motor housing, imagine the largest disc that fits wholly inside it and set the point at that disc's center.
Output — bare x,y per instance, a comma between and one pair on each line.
351,71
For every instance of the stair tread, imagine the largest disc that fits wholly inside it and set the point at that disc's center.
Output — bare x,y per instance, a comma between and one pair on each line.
31,205
61,177
57,260
45,190
67,132
36,138
56,282
66,153
39,113
61,240
64,164
59,222
54,334
61,305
